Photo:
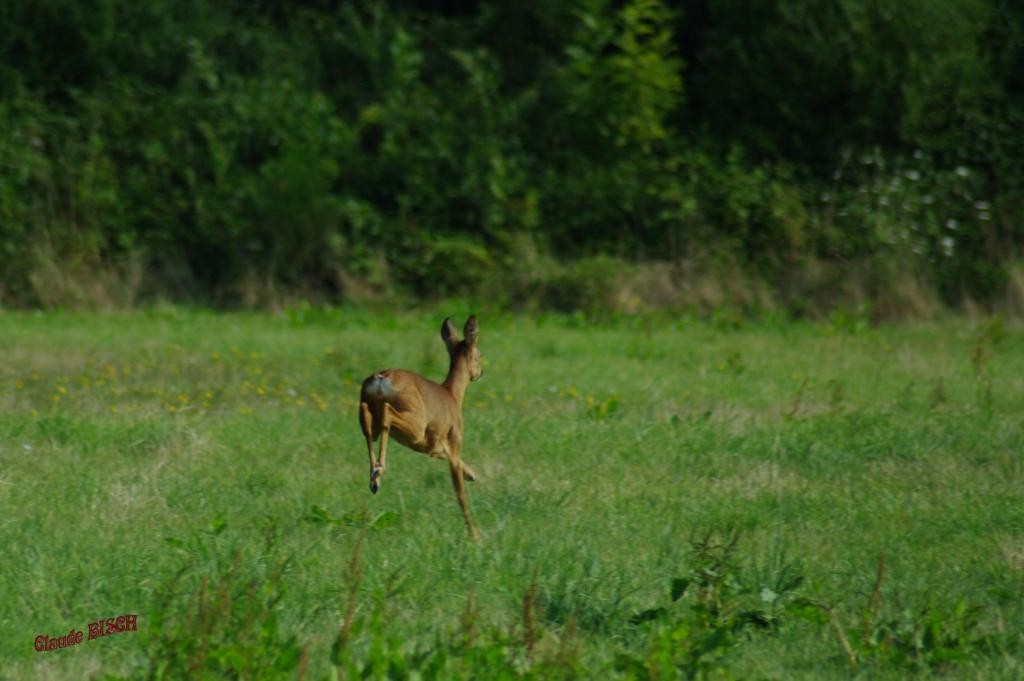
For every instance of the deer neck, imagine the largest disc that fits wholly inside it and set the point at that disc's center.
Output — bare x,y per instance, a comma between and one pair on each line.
458,378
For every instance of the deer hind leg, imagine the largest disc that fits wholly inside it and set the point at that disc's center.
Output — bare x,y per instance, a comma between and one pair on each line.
366,422
391,417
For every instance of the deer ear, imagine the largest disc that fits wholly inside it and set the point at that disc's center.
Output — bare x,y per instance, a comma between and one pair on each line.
472,330
449,334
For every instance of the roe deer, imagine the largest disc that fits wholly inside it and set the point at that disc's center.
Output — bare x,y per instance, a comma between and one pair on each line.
423,415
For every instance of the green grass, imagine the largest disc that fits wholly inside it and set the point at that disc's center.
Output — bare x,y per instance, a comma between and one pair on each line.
207,473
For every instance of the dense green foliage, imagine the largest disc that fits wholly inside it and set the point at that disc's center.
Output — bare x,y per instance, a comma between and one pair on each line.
657,499
235,150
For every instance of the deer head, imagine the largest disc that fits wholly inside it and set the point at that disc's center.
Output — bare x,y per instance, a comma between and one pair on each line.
464,354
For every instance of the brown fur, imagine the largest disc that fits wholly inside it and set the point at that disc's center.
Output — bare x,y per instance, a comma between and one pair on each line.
423,415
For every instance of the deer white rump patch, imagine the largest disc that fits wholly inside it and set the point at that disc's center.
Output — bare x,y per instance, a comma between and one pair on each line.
380,386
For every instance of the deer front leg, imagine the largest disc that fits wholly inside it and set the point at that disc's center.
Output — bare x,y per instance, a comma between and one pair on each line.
456,467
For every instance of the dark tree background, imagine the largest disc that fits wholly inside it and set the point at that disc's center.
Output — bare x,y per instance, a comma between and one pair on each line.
231,151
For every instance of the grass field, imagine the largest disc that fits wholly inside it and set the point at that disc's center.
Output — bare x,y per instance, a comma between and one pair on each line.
656,498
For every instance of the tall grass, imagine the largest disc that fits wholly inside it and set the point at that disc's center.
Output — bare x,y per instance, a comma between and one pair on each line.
658,497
